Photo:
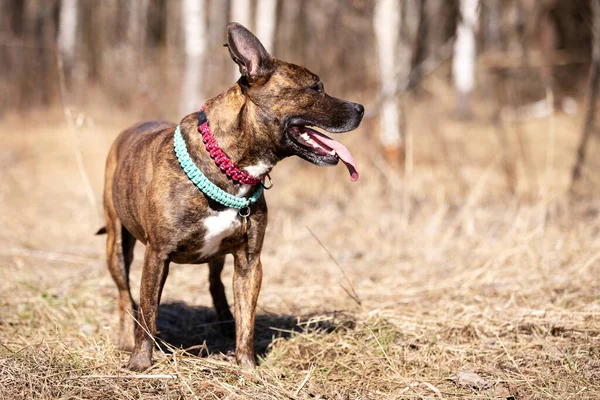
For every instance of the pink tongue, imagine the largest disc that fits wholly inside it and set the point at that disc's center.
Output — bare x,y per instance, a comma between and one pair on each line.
342,152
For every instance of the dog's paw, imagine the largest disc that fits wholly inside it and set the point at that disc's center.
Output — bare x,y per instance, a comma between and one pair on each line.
139,363
126,343
246,362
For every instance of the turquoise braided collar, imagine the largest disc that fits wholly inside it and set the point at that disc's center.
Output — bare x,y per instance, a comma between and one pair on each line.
206,186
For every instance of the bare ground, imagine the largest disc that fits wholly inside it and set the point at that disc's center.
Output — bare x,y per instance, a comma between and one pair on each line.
437,283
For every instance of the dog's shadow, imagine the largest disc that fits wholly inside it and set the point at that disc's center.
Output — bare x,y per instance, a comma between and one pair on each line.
196,329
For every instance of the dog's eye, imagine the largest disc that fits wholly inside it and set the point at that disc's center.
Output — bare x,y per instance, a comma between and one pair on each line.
318,87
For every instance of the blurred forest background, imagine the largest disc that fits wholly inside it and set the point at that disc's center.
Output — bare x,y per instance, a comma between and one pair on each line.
155,59
464,246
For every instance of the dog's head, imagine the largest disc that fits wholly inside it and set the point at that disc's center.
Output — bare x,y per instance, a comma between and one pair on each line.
287,100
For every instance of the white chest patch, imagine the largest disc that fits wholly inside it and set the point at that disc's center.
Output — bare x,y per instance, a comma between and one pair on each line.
218,227
259,169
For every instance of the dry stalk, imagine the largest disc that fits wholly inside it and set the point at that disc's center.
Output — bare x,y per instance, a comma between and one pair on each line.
132,376
512,360
351,293
408,171
551,142
305,380
390,364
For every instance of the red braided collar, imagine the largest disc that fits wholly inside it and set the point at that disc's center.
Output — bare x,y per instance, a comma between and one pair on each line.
221,159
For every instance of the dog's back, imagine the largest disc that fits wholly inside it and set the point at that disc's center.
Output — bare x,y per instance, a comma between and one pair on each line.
137,136
133,148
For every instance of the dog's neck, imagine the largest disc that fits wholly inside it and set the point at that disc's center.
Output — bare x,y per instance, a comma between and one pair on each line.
229,115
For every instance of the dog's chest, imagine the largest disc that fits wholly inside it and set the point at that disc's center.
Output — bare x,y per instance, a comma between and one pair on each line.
215,233
218,227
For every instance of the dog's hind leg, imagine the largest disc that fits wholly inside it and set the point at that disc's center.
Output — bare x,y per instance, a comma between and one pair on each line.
217,291
119,251
125,300
119,255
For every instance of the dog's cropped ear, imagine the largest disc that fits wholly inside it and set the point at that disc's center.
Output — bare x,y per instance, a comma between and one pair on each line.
248,53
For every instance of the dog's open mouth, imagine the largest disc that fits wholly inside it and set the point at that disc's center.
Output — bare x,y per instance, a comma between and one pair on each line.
325,148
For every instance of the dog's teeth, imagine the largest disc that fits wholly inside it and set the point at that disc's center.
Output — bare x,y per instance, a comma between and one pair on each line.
332,152
305,136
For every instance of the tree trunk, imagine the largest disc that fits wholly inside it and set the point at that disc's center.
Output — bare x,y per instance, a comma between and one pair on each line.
493,25
218,64
136,37
387,31
67,35
241,12
13,15
42,18
288,47
463,62
195,41
266,23
592,95
174,34
419,50
548,42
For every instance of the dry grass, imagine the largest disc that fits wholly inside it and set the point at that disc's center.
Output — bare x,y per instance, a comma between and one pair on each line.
453,275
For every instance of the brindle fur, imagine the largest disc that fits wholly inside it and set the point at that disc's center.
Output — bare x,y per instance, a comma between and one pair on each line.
147,196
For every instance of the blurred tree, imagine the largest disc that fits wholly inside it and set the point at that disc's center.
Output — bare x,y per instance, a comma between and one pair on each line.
137,27
266,22
592,95
174,33
241,12
11,20
13,16
67,34
290,31
127,50
218,70
419,51
492,17
193,22
387,32
463,62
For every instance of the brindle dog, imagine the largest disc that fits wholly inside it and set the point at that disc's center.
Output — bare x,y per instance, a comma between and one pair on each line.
259,121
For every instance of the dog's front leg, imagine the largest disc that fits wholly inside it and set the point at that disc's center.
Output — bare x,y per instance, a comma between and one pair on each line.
247,277
154,275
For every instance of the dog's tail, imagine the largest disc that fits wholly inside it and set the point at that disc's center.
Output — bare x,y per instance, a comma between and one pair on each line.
101,231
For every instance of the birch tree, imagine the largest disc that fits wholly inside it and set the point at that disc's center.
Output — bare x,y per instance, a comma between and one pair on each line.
463,61
194,26
387,30
266,17
67,33
241,12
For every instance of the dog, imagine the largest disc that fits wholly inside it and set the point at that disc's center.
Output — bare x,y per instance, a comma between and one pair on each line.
153,189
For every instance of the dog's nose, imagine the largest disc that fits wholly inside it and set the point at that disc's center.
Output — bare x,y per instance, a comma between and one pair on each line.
359,109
